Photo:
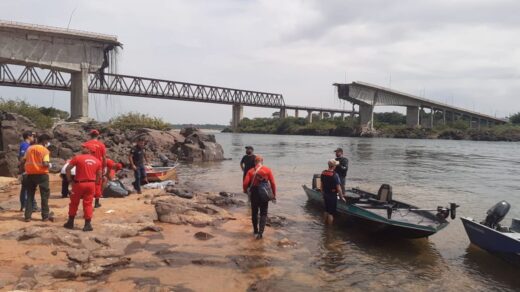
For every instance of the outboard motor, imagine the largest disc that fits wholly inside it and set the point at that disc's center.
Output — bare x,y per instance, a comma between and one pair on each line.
496,214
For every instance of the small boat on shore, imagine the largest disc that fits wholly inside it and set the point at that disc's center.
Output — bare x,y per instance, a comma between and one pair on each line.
491,236
161,173
380,213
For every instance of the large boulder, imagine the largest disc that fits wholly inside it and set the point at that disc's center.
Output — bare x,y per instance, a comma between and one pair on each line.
11,128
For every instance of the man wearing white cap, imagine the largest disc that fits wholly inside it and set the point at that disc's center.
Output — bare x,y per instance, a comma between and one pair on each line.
330,189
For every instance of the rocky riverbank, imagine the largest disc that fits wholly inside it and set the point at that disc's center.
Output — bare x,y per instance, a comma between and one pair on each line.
189,144
172,239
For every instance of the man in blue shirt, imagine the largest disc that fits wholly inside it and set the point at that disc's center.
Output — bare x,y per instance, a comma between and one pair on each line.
28,140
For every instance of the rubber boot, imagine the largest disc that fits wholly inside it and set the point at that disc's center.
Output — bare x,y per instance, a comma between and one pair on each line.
263,221
96,203
70,223
88,226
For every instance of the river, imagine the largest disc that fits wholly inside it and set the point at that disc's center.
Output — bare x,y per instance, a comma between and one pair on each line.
427,173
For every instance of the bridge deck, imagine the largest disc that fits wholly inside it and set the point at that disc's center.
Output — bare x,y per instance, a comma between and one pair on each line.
366,93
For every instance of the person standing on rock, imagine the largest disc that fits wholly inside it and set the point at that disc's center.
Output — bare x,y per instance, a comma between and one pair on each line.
101,154
138,159
342,167
252,181
28,139
248,161
84,184
37,164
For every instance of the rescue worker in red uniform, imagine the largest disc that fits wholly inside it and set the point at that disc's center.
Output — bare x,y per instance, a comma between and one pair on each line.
112,169
88,174
101,154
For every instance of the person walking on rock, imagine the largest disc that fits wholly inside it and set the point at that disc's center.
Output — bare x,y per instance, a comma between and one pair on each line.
28,139
342,167
37,164
248,161
138,159
101,154
253,180
88,175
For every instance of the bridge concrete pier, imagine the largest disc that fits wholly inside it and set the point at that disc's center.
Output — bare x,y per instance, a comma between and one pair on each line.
237,116
309,117
412,116
296,114
366,116
283,113
79,93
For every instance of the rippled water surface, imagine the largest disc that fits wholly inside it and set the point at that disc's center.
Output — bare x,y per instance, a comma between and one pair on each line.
427,173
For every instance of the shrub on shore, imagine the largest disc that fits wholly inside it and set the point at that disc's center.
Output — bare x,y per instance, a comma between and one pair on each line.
133,121
42,117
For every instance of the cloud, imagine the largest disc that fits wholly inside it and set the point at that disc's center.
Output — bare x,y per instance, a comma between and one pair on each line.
464,51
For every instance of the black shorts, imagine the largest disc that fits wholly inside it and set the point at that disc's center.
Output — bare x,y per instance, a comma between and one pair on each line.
331,203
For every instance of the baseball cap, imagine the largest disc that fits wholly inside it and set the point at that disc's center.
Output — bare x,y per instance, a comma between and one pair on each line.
338,149
333,162
94,132
250,147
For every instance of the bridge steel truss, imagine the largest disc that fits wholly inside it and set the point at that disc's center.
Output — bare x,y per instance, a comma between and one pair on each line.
33,77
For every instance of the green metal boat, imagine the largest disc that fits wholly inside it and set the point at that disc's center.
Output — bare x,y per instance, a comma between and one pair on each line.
380,213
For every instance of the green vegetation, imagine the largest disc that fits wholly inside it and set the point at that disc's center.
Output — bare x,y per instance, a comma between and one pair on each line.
515,119
42,117
299,126
133,121
389,125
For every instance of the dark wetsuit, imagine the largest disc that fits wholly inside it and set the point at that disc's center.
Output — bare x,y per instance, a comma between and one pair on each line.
329,182
249,162
341,170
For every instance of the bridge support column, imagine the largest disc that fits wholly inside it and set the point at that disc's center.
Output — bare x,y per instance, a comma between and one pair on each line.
237,116
296,114
343,116
79,93
432,113
309,117
412,116
321,115
444,117
283,113
366,116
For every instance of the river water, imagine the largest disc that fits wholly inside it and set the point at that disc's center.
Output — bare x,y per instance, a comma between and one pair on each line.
426,173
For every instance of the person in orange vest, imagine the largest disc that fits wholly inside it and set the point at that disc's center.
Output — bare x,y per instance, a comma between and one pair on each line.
101,154
37,164
260,173
88,175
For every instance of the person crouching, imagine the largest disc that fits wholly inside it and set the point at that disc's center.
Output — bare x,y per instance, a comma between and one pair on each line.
88,174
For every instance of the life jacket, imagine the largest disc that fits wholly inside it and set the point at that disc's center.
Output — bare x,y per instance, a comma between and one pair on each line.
328,183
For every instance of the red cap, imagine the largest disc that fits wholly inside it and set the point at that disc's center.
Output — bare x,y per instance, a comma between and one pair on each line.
110,163
258,158
119,166
94,132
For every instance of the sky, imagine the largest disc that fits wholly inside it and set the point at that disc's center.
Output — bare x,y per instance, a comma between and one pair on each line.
461,52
